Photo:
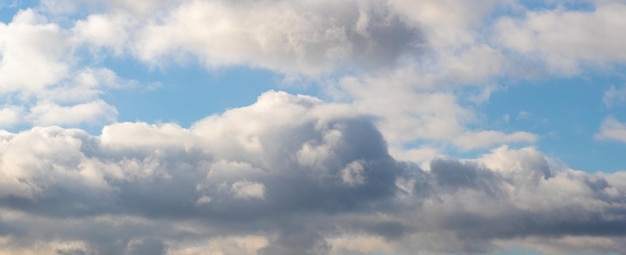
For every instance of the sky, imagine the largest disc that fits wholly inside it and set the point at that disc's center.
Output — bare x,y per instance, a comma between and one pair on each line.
319,127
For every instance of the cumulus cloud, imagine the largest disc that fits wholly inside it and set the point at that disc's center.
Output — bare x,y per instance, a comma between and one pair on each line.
291,174
32,51
10,115
321,37
41,78
291,180
406,111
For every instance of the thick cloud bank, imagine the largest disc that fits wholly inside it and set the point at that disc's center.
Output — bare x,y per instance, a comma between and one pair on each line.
285,176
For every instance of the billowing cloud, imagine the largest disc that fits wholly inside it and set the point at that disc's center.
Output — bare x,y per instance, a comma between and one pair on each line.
411,49
292,174
32,54
283,176
40,77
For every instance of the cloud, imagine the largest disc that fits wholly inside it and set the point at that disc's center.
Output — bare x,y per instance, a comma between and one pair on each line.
248,190
46,113
32,54
148,247
68,174
291,174
41,78
565,40
281,176
306,38
309,38
612,129
10,115
407,112
448,23
410,52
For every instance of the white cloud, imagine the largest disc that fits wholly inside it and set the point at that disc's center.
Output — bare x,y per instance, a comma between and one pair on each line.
248,190
41,75
307,38
10,115
139,136
406,112
99,31
33,53
612,129
448,23
565,39
48,113
293,174
353,173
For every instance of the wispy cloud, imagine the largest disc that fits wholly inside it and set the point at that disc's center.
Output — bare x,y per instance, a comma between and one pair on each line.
612,129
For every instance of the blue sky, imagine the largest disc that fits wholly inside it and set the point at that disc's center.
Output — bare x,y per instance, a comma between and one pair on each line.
319,127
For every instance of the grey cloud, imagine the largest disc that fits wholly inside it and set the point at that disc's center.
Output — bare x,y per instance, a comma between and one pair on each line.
455,175
297,241
172,186
148,246
95,177
72,252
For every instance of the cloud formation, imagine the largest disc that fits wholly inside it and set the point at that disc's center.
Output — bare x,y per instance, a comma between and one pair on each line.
292,174
308,38
40,81
294,178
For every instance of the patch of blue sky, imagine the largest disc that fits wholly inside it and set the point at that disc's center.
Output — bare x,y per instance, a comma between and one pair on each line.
185,93
539,5
522,8
8,8
565,113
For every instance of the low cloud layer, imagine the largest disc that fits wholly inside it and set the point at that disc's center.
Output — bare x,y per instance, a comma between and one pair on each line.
293,179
